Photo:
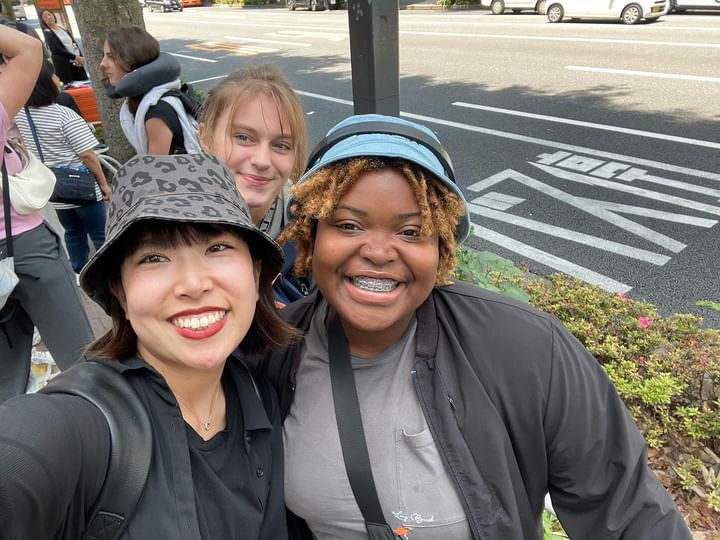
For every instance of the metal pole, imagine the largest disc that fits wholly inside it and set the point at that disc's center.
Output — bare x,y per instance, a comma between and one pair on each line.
374,54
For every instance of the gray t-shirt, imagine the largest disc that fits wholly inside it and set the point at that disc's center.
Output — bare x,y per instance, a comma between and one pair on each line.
413,487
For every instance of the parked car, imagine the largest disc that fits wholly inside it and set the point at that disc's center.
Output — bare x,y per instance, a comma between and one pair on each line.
19,10
313,5
499,6
678,6
164,5
191,3
627,11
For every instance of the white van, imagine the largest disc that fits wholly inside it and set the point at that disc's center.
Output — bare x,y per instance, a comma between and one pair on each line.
678,6
627,11
499,6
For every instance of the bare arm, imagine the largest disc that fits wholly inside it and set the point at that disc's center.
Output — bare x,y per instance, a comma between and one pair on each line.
23,56
91,161
159,137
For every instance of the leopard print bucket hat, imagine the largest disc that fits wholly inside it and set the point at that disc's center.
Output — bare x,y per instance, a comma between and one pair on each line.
190,188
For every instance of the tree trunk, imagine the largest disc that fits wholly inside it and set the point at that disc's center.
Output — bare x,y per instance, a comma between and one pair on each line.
7,10
95,18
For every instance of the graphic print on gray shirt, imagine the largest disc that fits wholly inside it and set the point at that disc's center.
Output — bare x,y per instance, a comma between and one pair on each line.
413,487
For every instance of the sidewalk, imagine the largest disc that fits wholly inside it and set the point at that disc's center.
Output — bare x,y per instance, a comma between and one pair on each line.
43,368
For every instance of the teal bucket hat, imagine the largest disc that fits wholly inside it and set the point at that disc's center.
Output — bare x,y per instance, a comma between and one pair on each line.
392,137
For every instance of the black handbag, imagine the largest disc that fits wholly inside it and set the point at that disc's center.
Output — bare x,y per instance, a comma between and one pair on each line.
352,435
72,186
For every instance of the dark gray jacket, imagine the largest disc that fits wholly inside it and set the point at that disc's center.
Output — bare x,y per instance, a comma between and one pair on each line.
518,407
54,452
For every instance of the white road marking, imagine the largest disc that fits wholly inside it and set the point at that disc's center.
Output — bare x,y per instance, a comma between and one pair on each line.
548,260
208,79
593,125
534,140
640,192
659,214
325,98
330,36
268,41
653,74
573,236
642,175
194,58
608,41
591,206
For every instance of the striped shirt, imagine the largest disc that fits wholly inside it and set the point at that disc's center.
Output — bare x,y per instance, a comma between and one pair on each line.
63,135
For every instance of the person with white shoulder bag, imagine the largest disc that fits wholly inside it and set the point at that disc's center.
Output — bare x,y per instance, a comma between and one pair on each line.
45,294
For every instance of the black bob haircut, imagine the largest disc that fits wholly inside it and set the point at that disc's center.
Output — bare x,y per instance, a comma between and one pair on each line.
45,91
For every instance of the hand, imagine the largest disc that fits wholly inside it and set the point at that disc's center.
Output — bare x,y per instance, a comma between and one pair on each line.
80,60
106,191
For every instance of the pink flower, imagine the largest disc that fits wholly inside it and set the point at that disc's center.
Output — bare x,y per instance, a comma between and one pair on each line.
645,322
623,296
641,360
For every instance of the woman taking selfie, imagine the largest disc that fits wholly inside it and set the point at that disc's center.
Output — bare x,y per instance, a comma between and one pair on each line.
187,279
253,121
451,409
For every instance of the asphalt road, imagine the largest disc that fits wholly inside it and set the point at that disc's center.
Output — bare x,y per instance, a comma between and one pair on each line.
587,148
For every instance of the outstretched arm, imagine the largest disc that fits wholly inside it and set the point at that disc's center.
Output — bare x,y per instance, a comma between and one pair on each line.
55,451
23,58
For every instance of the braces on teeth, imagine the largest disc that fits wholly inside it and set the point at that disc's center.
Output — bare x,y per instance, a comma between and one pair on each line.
374,285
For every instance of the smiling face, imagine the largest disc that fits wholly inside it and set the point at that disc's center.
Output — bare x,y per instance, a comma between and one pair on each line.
257,146
110,66
189,305
371,263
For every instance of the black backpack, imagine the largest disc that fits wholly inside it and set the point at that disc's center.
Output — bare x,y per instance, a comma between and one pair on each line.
130,442
191,100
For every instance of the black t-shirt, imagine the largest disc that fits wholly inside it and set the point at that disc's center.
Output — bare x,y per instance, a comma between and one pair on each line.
229,478
167,114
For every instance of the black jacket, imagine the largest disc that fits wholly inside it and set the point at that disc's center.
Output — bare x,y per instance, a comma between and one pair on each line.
62,58
518,407
55,448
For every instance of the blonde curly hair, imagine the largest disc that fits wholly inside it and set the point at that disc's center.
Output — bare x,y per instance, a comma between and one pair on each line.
318,196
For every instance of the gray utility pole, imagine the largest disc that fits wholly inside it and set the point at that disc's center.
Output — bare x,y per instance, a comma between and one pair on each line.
374,54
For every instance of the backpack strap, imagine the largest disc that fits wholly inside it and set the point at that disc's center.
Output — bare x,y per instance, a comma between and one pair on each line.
187,98
130,442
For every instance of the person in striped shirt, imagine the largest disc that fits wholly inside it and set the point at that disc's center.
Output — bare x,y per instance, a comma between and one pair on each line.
67,141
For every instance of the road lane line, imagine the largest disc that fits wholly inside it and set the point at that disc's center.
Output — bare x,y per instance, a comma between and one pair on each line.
551,261
193,57
208,79
325,98
573,236
640,192
270,41
609,41
534,140
653,74
593,125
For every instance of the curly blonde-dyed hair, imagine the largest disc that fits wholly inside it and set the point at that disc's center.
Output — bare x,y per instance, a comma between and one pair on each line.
318,196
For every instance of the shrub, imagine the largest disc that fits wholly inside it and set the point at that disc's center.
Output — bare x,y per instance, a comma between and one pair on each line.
666,370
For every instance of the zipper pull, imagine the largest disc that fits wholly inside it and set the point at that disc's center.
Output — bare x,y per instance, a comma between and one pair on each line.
451,401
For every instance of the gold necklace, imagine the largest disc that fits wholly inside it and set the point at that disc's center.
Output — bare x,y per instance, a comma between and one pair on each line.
206,425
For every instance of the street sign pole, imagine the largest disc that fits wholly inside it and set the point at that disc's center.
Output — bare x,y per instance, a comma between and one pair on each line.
374,54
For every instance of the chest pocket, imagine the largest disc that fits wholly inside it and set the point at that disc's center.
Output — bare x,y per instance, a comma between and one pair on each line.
426,494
